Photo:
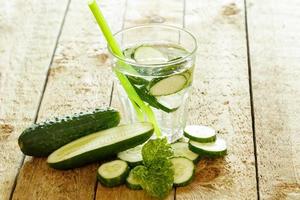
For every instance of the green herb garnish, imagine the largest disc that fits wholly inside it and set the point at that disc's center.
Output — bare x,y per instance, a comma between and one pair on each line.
157,175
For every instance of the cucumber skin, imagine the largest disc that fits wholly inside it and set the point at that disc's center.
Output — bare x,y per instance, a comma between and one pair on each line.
133,164
207,154
202,140
101,153
43,138
114,181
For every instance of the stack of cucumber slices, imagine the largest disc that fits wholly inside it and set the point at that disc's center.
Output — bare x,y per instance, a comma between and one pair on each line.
203,142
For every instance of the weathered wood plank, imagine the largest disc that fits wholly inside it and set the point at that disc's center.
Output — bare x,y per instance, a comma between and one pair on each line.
80,78
138,13
28,33
220,99
274,34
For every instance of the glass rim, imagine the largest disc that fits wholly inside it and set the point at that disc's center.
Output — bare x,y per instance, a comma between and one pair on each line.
162,64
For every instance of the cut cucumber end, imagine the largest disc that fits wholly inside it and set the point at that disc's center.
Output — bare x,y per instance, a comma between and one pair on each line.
167,86
181,149
100,145
132,156
198,133
149,55
132,183
212,149
113,173
184,170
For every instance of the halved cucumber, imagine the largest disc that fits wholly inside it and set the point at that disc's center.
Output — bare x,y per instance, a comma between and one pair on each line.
132,182
113,173
184,170
167,86
100,145
132,156
149,55
200,133
181,149
212,149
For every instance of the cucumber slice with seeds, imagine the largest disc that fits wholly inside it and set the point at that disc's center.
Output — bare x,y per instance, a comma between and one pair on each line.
149,55
181,149
212,149
113,173
200,133
132,156
167,86
132,182
184,170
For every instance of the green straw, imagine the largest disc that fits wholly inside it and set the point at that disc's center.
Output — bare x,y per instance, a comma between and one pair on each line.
132,95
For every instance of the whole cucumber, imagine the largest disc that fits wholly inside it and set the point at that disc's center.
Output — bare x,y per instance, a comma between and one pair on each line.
43,138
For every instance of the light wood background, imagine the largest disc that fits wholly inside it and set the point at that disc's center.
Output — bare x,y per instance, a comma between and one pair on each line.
53,61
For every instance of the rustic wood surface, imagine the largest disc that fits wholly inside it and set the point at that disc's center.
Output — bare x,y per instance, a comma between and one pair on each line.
246,86
275,57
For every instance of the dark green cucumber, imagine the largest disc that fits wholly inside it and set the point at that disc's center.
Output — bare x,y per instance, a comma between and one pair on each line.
100,145
113,173
43,138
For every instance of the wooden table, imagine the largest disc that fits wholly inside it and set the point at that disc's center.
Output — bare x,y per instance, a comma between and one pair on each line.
53,62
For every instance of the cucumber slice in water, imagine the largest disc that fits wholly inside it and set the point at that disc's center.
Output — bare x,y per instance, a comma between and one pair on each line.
167,86
212,149
200,133
132,156
151,100
149,55
132,183
184,171
113,173
181,149
100,145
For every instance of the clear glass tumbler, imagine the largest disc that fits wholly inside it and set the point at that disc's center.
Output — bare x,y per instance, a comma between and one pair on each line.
161,62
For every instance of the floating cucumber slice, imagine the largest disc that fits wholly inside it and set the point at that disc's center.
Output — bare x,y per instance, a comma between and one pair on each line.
132,156
181,149
200,133
132,183
113,173
151,100
168,85
212,149
184,171
149,55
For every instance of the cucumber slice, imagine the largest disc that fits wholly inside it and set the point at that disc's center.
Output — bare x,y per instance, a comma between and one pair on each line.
181,149
184,170
132,182
113,173
200,133
149,55
212,149
151,100
167,86
132,156
100,145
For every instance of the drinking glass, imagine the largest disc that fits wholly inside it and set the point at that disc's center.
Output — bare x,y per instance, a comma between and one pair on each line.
163,84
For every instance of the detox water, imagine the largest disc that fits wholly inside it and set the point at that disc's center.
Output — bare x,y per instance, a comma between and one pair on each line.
161,74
